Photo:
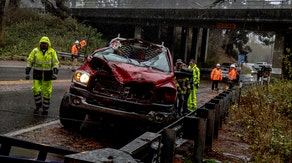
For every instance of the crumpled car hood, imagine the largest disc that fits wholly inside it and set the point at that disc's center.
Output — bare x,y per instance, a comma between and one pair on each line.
127,72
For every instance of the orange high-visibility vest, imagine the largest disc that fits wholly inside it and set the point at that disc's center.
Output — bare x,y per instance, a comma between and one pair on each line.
232,74
216,74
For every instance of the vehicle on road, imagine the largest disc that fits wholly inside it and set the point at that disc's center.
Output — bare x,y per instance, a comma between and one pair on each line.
258,65
130,79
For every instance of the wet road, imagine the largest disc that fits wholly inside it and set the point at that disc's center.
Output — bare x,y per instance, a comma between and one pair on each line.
17,101
16,108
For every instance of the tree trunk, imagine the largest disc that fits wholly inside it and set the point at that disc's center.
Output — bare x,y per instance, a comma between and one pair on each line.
2,6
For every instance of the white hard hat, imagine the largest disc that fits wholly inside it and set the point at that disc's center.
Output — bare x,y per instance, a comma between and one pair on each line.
218,65
76,42
233,66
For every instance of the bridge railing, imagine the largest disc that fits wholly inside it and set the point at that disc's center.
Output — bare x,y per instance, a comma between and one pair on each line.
173,4
229,4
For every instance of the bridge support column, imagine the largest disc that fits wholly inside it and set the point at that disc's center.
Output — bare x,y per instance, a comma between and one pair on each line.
204,45
194,46
171,35
184,43
279,48
138,32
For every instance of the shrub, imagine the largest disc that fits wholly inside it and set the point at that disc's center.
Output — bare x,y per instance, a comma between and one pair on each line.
264,118
24,28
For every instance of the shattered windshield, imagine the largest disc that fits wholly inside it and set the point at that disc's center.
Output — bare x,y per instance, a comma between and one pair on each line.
159,62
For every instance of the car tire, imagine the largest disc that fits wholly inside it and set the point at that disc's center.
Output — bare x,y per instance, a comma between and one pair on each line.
70,117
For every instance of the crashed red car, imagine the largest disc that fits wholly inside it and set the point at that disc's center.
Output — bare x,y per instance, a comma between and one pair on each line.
130,79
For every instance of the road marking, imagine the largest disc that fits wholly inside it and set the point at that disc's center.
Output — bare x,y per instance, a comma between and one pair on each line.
18,132
30,81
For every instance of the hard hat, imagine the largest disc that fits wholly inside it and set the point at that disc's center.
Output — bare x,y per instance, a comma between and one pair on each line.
233,66
76,42
218,65
179,61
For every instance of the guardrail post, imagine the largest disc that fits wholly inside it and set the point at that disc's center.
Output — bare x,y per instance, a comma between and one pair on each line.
168,141
232,96
226,104
210,125
217,116
194,128
237,94
221,109
5,149
142,143
200,139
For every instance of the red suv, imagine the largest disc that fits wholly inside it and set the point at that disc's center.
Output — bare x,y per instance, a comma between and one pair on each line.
130,79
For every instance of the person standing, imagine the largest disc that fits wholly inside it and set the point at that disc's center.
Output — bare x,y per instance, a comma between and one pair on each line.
75,54
76,47
192,99
232,76
216,76
183,87
45,64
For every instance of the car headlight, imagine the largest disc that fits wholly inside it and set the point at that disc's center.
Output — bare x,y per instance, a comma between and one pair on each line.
81,77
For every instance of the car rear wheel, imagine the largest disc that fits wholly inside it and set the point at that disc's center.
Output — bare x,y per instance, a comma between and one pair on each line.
70,117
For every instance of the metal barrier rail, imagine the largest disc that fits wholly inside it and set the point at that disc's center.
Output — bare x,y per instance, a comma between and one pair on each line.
7,143
68,55
200,126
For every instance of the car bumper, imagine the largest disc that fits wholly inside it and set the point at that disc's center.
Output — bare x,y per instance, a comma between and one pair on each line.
94,103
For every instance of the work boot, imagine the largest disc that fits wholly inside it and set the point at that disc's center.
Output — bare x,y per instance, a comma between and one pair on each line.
46,106
38,103
45,112
36,110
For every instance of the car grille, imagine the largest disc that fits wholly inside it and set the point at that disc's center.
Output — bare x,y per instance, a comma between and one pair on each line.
133,91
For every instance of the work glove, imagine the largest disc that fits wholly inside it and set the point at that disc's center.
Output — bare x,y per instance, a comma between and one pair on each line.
27,71
55,73
197,86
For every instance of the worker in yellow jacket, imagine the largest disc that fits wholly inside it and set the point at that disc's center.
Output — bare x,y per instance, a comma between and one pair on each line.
192,100
43,60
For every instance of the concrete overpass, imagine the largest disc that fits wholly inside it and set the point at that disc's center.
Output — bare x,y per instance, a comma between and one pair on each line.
243,19
193,16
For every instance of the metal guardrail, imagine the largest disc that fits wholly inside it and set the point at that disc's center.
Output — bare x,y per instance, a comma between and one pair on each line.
68,55
43,151
200,126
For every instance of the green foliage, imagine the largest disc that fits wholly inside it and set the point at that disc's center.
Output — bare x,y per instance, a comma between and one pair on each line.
287,64
24,28
264,116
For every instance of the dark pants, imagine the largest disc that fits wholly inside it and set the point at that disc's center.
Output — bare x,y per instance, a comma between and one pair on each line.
215,84
180,103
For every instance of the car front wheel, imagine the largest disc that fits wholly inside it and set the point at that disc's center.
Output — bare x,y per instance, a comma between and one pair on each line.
70,117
